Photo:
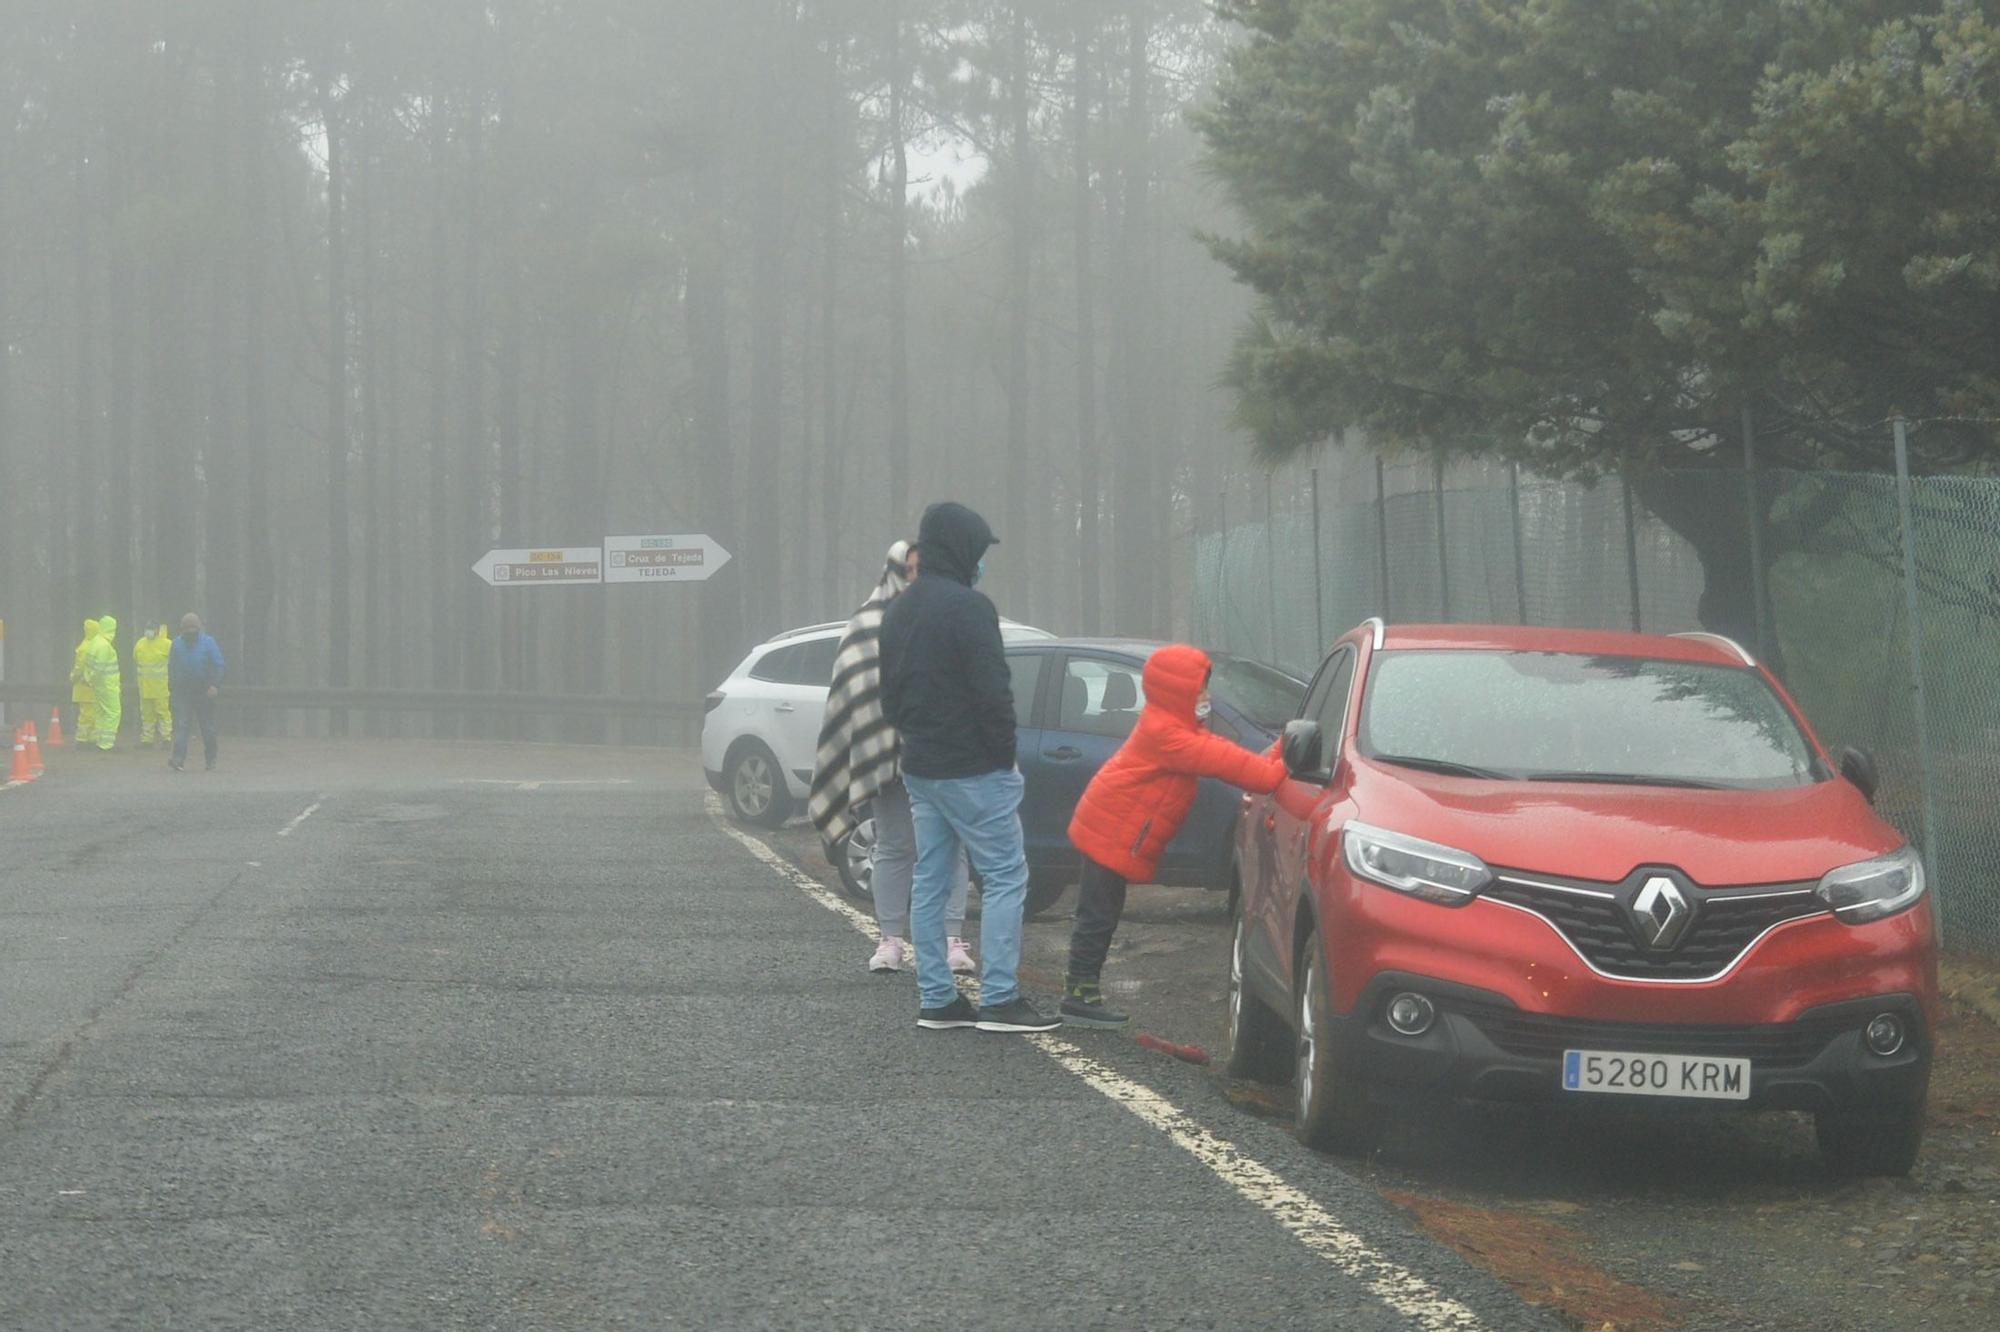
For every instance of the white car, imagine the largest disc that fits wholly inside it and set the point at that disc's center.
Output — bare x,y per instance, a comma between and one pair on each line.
761,734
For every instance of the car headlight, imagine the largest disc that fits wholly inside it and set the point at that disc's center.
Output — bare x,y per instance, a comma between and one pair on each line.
1411,865
1872,889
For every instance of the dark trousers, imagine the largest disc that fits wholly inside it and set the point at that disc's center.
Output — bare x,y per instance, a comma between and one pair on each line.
190,711
1100,900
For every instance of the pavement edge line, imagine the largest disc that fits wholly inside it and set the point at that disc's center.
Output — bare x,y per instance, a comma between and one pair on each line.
304,814
1312,1225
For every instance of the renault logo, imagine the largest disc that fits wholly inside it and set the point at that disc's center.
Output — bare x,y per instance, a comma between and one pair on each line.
1661,911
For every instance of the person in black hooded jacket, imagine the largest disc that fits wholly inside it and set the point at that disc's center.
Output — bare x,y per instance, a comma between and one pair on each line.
947,691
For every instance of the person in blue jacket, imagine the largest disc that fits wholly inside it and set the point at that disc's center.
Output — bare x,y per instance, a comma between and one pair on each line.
194,678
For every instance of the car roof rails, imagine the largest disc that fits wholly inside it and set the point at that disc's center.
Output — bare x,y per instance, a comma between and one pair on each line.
1724,640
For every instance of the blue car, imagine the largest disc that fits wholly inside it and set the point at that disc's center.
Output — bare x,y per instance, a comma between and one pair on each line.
1075,701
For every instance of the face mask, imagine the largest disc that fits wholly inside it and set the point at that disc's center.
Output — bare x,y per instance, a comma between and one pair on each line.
1201,709
979,573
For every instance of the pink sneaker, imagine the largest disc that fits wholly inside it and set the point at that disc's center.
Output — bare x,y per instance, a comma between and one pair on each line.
961,958
888,955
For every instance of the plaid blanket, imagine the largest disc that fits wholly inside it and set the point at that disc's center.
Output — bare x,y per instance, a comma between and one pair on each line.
858,748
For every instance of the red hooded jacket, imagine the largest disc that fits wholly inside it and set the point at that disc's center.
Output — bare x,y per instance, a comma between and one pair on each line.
1136,803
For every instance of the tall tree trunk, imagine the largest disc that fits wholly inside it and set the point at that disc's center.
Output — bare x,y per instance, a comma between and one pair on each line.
222,499
121,408
1137,516
899,281
833,121
474,633
1020,281
763,527
368,349
88,577
589,625
261,589
339,633
1090,553
708,345
446,564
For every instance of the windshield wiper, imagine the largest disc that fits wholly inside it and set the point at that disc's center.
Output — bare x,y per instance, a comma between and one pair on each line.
1627,779
1445,766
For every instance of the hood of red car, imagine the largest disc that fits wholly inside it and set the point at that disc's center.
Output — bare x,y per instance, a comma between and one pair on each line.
1603,833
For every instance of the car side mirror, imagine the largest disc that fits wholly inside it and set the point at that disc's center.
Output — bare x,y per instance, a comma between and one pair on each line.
1302,748
1858,766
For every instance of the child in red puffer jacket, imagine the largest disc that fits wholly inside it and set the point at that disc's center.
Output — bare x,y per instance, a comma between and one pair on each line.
1135,805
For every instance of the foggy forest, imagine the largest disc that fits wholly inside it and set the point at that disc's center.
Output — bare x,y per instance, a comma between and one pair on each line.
307,305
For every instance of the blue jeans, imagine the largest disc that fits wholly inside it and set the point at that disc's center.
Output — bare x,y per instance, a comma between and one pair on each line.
980,816
194,710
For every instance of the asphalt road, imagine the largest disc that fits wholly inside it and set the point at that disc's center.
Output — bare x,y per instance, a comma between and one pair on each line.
479,1036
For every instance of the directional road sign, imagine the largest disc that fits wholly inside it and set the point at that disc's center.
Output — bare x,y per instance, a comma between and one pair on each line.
672,559
558,565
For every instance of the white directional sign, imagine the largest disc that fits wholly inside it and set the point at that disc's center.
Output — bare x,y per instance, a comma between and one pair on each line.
557,565
673,559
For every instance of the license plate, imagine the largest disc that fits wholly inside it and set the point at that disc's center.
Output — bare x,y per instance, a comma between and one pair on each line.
1622,1074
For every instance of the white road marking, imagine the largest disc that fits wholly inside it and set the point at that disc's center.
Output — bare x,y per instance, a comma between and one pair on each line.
1309,1223
304,814
538,783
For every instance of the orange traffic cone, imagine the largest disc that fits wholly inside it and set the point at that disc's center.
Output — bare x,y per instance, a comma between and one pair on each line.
55,728
20,772
34,750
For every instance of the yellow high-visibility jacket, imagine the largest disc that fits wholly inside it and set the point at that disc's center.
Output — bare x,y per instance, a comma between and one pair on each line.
79,675
149,656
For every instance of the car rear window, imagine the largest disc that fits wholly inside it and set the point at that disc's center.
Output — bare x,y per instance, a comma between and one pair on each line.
807,663
1567,716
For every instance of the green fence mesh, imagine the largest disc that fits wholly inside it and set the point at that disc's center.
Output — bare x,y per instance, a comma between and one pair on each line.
1483,545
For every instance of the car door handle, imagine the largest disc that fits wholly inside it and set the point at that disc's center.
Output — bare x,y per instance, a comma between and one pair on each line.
786,707
1066,754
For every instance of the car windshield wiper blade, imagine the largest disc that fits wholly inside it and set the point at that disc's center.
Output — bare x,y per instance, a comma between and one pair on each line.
1627,779
1445,766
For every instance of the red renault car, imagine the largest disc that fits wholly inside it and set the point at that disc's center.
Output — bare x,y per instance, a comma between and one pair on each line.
1520,864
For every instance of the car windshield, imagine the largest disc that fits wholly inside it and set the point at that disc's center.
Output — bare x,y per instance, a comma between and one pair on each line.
1267,697
1571,717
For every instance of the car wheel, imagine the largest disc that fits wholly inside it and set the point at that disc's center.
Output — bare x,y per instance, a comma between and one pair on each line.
756,787
1255,1038
1045,889
1330,1105
855,858
1862,1145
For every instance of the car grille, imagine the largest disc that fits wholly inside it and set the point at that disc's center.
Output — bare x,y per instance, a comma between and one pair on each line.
1540,1036
1725,924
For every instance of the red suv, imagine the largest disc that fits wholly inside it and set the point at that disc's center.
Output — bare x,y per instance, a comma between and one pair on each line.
1544,863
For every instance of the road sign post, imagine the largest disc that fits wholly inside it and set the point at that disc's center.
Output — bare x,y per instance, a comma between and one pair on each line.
658,559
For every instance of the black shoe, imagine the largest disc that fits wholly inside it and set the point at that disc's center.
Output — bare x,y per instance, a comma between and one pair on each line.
957,1014
1020,1015
1080,1011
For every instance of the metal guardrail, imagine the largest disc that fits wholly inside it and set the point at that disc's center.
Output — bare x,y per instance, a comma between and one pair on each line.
454,702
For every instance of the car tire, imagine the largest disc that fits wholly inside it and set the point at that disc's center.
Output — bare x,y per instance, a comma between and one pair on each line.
1045,890
854,858
1857,1146
1255,1040
754,786
1330,1104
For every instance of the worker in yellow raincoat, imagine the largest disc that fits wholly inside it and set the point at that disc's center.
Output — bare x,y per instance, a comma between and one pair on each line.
79,690
107,681
156,709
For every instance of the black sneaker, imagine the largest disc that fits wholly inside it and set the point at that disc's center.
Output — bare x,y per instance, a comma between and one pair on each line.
1020,1015
957,1014
1090,1011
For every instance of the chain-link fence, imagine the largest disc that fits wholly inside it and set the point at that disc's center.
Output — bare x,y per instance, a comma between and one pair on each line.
1289,560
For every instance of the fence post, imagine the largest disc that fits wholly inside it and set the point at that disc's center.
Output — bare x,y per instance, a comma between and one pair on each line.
1906,521
1382,536
1753,509
1270,571
1520,563
1631,552
1444,561
1319,574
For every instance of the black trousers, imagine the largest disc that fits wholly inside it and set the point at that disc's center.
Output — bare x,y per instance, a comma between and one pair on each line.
1100,900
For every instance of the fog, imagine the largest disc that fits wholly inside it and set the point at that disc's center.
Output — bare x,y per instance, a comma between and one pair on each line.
306,306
